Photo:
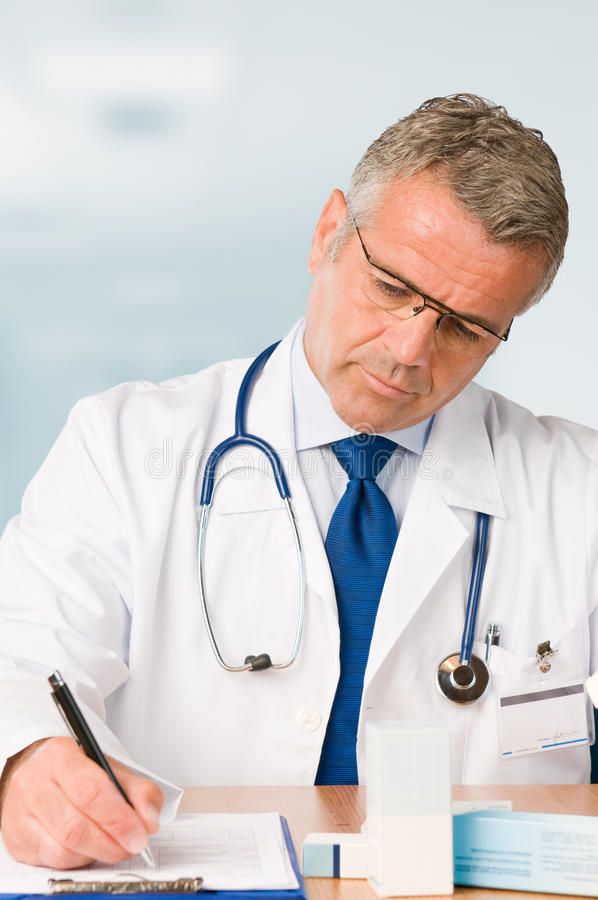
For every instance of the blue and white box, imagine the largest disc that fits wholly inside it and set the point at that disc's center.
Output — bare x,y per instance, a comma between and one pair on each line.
521,851
340,855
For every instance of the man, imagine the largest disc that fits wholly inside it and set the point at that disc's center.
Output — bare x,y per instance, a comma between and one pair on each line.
455,223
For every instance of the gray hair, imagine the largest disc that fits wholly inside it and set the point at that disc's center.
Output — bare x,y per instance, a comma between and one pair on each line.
503,174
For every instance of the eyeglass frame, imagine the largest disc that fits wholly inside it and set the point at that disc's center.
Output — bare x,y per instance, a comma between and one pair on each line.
429,302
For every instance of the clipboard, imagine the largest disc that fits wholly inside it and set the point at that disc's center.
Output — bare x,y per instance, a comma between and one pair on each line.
276,894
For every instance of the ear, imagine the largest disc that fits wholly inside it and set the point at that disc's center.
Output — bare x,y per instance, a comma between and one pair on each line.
332,215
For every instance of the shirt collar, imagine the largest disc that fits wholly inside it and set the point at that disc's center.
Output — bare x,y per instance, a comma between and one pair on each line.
316,422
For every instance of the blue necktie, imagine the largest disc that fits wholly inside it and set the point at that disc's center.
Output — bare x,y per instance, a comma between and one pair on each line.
359,544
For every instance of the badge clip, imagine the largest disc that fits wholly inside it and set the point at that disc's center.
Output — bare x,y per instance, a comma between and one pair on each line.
544,652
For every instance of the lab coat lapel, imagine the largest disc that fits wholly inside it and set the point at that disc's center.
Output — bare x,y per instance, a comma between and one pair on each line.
270,415
457,470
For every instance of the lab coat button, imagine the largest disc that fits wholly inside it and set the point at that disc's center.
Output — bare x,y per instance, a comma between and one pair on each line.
309,719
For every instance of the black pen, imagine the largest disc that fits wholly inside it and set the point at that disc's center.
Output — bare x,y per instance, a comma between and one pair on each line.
75,722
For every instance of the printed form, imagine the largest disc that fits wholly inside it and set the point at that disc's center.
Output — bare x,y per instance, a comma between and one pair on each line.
241,851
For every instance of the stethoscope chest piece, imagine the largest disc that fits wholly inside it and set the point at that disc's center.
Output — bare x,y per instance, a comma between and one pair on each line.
462,682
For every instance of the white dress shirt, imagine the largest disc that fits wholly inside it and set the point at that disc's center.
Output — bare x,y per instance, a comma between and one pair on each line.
317,426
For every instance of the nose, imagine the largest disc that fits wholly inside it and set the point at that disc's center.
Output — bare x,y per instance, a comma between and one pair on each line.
412,341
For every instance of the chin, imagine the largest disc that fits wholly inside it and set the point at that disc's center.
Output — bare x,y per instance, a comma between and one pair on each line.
367,415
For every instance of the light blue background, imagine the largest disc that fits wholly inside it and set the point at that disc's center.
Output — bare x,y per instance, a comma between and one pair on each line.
162,165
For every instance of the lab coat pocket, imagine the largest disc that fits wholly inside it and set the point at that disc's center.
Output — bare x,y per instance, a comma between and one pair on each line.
514,674
249,487
540,700
569,662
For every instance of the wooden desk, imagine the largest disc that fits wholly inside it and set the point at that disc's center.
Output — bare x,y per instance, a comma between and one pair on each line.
342,809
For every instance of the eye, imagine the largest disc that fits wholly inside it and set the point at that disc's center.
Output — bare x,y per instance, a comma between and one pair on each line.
394,291
460,330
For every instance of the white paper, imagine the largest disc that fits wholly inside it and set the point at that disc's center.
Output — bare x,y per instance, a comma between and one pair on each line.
592,688
459,807
543,720
229,851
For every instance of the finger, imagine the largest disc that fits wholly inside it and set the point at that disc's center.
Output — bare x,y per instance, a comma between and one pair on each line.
37,797
55,856
90,790
28,842
71,829
36,794
146,797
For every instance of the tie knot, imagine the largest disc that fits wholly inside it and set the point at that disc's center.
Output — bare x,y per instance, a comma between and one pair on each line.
364,455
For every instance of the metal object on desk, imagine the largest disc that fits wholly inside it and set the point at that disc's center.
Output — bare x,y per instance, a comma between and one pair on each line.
130,884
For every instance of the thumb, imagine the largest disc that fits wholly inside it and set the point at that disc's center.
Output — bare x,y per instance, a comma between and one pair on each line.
145,796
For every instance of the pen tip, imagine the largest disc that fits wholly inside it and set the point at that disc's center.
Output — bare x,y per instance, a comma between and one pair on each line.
148,858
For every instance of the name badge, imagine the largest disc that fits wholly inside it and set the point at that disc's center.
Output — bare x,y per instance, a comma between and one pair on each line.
548,718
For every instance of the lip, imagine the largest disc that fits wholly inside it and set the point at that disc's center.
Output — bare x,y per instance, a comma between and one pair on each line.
381,387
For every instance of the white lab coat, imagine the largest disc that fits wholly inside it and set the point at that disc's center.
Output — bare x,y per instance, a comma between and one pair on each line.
98,578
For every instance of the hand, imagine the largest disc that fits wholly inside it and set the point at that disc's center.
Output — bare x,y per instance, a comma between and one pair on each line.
61,810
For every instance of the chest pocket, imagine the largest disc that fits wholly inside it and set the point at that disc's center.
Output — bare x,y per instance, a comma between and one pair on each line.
245,485
514,673
511,674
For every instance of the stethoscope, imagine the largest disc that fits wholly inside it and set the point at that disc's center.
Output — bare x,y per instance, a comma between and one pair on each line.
462,677
240,438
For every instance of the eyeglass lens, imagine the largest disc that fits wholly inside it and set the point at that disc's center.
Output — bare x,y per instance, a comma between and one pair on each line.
453,333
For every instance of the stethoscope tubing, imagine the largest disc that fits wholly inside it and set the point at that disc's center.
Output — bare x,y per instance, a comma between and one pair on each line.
242,438
475,587
464,678
247,665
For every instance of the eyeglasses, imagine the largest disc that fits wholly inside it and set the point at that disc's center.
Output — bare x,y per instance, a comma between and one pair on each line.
455,331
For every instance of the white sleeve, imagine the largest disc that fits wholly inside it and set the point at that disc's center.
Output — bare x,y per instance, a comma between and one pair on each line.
65,589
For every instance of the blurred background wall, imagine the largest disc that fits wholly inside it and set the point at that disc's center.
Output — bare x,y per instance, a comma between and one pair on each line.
162,164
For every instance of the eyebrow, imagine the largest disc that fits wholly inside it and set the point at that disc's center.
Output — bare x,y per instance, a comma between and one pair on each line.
476,320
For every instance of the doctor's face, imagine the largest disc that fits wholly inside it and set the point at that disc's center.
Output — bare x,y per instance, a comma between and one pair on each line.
382,372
